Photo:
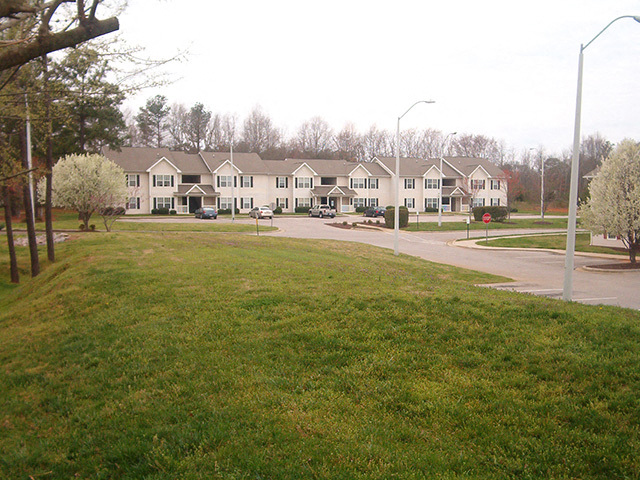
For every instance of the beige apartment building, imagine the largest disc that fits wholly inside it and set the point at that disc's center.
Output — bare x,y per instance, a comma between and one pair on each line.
162,178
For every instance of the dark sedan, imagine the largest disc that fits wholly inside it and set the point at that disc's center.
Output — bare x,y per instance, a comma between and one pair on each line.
374,212
207,212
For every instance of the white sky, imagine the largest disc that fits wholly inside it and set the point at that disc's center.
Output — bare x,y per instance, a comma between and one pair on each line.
502,68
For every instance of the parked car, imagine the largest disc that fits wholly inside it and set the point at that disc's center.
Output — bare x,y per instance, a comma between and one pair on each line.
207,212
374,212
322,211
261,212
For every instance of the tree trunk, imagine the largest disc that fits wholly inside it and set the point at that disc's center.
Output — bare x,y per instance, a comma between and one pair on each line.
15,275
28,211
48,216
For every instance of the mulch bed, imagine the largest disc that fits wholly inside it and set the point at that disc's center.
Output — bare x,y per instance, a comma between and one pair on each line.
616,266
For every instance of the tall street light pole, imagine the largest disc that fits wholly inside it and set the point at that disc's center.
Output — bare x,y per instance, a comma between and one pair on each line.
396,213
440,195
575,162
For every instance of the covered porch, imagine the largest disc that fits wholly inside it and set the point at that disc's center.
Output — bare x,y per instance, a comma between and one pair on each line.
191,197
337,197
455,199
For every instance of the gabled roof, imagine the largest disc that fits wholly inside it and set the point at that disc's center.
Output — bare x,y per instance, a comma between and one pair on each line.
467,165
228,162
164,159
141,159
322,167
416,167
335,190
246,163
304,164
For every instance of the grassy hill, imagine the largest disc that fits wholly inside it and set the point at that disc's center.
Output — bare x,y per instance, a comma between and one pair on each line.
183,355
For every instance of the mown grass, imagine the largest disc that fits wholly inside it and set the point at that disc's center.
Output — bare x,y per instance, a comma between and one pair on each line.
553,242
69,221
220,356
529,223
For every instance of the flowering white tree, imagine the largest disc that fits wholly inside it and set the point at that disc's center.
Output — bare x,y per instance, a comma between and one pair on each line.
614,205
87,184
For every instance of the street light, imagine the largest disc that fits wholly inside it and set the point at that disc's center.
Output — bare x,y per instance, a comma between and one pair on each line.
541,153
575,161
396,214
441,159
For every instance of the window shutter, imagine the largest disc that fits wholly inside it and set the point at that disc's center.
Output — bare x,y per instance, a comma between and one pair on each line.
218,182
218,201
172,180
296,204
351,183
311,182
286,182
138,181
155,202
138,203
251,177
172,202
251,200
286,203
154,183
235,181
296,180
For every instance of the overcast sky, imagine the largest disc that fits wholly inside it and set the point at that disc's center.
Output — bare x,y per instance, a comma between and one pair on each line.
501,68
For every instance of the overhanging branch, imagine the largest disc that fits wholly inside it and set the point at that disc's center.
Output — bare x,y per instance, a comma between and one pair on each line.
19,55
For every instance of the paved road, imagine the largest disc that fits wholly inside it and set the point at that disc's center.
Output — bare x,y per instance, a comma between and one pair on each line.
539,273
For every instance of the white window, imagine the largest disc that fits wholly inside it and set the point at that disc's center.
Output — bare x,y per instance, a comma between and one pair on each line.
303,202
225,203
495,202
282,182
478,202
163,180
495,184
477,184
409,183
303,182
246,202
163,202
432,183
134,203
373,183
246,181
225,181
358,183
133,180
282,202
373,202
409,202
359,202
430,203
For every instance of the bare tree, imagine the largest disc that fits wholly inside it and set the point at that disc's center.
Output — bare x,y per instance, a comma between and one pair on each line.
314,137
177,121
259,133
377,142
348,143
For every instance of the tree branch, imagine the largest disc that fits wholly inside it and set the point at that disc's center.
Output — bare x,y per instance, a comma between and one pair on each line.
14,56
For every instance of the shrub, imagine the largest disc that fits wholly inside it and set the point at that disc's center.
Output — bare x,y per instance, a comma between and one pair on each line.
354,224
377,222
154,211
81,227
389,217
360,209
277,211
1,226
345,223
514,210
227,211
431,210
172,212
302,209
92,227
498,214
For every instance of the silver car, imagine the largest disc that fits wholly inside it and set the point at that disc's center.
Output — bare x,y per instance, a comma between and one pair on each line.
261,212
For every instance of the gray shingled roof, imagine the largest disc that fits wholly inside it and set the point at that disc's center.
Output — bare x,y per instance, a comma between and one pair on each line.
209,191
247,163
323,191
468,164
140,159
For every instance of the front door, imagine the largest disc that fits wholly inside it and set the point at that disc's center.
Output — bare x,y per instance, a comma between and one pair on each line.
194,204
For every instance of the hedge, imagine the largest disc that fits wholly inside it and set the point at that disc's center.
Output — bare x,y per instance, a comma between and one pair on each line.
498,214
302,209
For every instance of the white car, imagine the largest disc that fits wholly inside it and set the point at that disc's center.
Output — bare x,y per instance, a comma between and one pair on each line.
261,212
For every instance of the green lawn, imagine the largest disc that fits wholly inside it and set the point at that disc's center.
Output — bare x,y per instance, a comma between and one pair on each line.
164,356
69,221
532,223
554,242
